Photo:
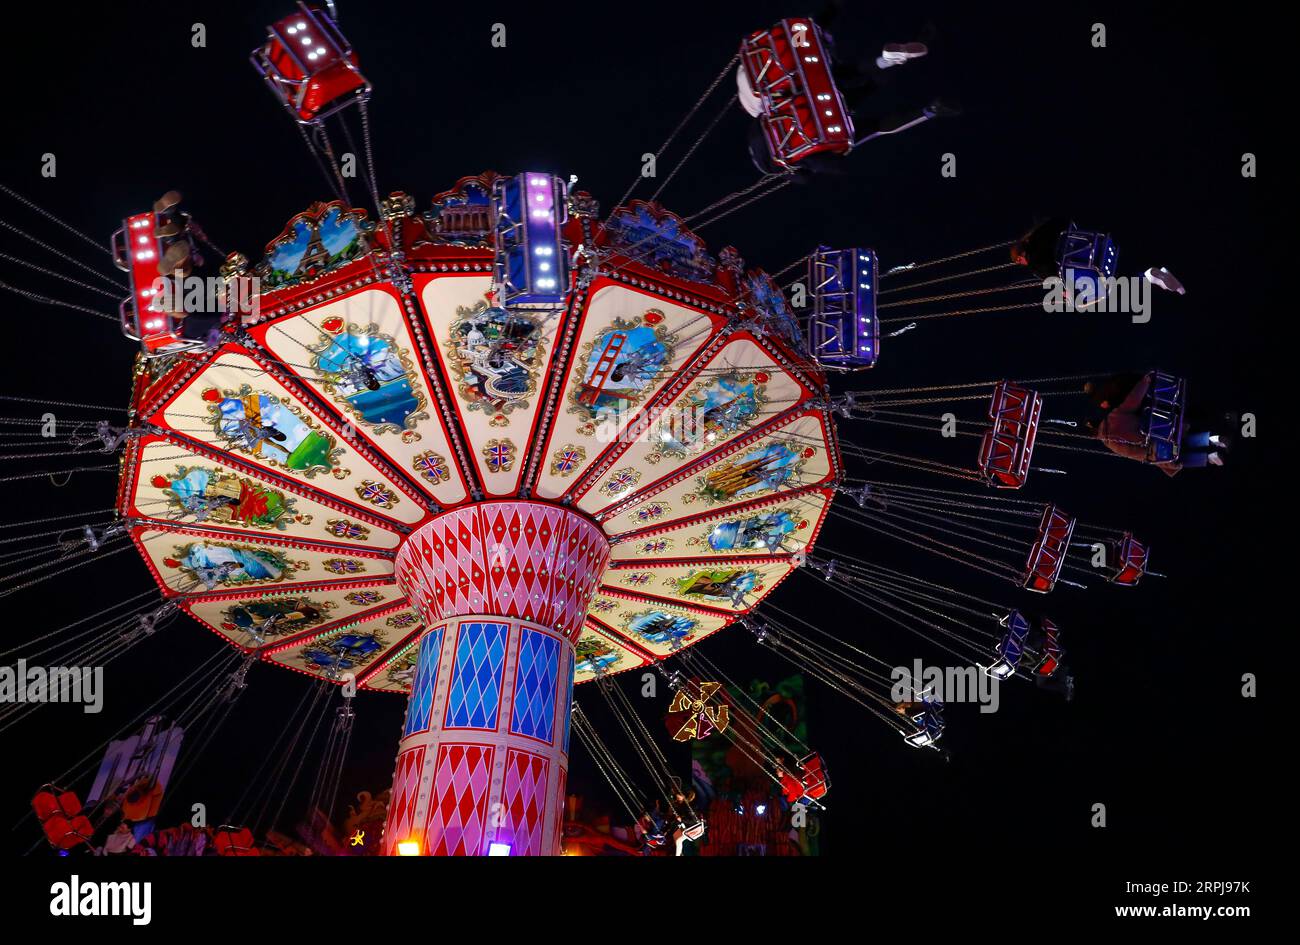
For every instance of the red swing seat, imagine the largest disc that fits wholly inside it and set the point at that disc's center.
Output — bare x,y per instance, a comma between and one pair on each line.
1008,447
789,69
1131,557
61,817
814,781
1050,652
137,250
310,66
234,841
1047,556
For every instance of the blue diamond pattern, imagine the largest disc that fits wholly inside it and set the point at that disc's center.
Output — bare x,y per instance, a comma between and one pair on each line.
420,705
476,676
534,710
567,705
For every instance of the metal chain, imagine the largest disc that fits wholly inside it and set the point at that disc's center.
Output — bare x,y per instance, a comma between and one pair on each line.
57,303
936,262
116,296
964,311
948,278
682,124
57,252
960,295
49,216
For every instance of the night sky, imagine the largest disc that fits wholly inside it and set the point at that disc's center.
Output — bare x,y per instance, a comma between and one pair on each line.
1143,138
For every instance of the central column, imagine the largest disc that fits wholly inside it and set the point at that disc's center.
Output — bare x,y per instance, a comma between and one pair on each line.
503,588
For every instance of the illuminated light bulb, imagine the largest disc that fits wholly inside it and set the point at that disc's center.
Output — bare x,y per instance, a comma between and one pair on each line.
320,51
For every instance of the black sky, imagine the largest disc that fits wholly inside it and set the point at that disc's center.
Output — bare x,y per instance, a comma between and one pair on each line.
1143,138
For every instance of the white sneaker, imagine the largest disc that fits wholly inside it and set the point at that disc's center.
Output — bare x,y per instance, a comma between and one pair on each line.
1217,441
1215,459
1165,279
895,54
749,100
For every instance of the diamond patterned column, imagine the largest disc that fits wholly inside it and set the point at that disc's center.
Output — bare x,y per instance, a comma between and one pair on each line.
503,588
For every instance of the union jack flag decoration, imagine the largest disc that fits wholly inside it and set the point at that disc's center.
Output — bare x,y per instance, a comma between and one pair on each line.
432,467
567,459
500,455
621,481
342,528
376,494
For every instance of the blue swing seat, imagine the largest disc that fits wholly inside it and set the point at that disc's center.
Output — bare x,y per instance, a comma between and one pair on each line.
1162,417
843,330
927,717
1011,647
528,211
1086,260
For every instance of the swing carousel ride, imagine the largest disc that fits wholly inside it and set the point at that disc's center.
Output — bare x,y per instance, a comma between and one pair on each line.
477,453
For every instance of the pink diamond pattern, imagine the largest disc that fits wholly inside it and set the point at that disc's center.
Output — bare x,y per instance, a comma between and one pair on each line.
528,560
560,798
458,810
524,801
406,790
